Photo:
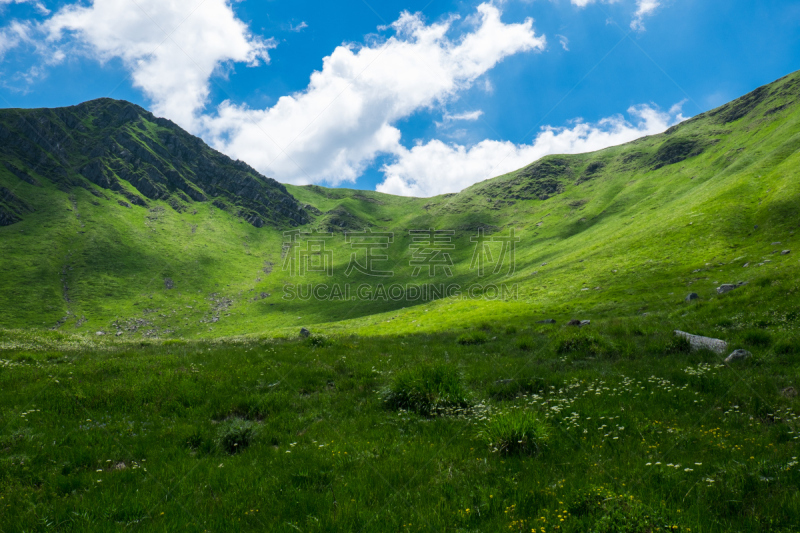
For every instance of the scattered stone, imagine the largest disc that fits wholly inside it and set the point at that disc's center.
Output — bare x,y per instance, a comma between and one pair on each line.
746,265
168,284
265,295
786,252
100,333
119,333
789,392
304,332
699,342
775,244
546,321
503,381
692,296
728,287
579,323
737,355
722,289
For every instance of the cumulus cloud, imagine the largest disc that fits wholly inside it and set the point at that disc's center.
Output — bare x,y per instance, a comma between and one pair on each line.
171,47
437,168
345,118
644,8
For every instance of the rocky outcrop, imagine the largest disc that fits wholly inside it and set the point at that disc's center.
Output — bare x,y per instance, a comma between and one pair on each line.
698,342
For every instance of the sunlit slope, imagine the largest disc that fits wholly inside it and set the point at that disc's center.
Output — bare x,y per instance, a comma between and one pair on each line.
629,229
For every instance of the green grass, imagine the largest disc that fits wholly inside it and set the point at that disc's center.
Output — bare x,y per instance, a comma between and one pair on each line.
101,436
514,432
208,412
428,389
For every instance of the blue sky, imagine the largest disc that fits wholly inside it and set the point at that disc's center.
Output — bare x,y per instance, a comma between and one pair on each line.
415,98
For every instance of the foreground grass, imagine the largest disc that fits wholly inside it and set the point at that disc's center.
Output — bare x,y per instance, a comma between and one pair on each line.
291,435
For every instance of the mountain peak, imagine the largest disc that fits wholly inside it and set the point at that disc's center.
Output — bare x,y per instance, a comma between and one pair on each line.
122,148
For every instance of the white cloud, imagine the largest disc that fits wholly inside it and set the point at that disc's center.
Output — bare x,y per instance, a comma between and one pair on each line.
438,168
345,117
300,27
469,115
644,8
172,47
38,5
13,35
564,42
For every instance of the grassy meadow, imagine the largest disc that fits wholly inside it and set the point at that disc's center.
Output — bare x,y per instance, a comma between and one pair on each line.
613,427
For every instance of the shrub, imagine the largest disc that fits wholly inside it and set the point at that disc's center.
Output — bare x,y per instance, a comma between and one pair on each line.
427,389
473,337
525,343
516,432
758,338
235,434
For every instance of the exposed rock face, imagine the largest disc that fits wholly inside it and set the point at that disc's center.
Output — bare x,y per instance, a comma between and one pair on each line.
703,343
107,142
304,332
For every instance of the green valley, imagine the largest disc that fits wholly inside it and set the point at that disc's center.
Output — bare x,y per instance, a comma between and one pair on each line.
154,375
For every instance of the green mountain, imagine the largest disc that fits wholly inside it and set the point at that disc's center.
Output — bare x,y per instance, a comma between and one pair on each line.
117,221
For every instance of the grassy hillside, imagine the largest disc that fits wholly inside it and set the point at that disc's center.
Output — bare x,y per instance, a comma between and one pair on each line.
200,409
626,230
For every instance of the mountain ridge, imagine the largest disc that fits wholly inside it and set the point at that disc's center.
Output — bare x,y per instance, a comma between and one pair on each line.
123,257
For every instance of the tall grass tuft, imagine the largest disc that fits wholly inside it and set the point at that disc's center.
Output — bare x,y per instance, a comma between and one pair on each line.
236,434
515,432
428,390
